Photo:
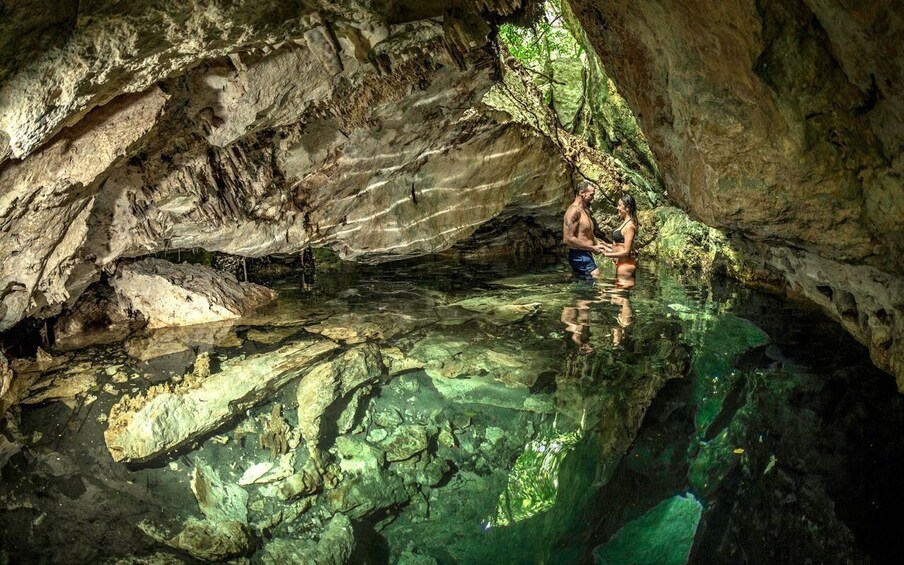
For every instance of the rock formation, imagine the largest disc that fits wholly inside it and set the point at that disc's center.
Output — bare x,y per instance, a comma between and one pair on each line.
253,129
166,294
165,418
331,382
224,531
783,122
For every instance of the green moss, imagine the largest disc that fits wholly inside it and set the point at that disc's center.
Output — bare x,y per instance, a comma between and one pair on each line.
684,242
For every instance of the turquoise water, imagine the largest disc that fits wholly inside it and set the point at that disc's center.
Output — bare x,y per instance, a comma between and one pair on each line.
520,417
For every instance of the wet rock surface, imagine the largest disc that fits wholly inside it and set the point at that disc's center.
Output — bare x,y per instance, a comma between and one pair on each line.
165,418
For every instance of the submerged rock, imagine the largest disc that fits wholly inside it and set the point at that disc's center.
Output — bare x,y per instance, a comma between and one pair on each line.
65,386
357,457
334,547
7,450
405,442
276,433
167,294
490,392
307,481
359,495
353,328
6,375
212,541
224,532
168,417
218,500
331,383
498,311
158,558
450,357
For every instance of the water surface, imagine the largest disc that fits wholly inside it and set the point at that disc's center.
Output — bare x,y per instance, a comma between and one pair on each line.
547,421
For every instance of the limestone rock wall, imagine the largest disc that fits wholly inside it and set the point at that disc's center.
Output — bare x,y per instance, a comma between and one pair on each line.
252,129
783,122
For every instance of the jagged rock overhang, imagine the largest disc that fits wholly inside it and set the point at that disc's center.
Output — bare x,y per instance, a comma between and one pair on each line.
336,128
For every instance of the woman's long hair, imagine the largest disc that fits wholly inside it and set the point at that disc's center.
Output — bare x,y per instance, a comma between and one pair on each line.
631,206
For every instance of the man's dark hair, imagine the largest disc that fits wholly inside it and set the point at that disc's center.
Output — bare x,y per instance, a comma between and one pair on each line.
583,185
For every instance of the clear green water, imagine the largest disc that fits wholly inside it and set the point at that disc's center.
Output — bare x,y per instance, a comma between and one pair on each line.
677,421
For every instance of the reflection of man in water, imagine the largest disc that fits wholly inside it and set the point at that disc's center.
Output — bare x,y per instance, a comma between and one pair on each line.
577,318
577,322
577,233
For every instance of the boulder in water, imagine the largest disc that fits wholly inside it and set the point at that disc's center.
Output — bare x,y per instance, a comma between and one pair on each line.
167,294
334,547
330,385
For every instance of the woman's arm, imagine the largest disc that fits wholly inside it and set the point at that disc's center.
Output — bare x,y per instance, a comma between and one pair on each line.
627,247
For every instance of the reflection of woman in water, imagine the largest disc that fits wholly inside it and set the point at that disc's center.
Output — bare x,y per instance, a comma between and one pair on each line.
624,319
622,251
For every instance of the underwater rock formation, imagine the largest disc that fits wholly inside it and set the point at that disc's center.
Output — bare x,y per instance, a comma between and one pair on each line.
334,547
224,532
330,382
6,375
166,418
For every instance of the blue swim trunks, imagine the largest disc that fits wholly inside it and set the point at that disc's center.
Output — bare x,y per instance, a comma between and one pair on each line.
581,262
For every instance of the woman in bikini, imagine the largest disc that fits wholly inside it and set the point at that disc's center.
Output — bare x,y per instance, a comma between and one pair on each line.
623,243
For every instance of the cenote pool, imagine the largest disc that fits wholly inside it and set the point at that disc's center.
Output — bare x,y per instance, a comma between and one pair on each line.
449,412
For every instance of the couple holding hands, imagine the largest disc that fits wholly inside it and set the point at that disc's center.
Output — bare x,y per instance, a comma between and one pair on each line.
578,235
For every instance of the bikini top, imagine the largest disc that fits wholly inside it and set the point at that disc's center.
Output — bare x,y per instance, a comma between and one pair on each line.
617,235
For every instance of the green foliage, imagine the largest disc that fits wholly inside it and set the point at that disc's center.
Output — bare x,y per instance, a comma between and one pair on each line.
573,84
547,40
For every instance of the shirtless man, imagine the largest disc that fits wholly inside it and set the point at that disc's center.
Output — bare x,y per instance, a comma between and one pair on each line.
577,233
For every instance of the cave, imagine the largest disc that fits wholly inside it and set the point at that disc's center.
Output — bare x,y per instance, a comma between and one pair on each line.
496,281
